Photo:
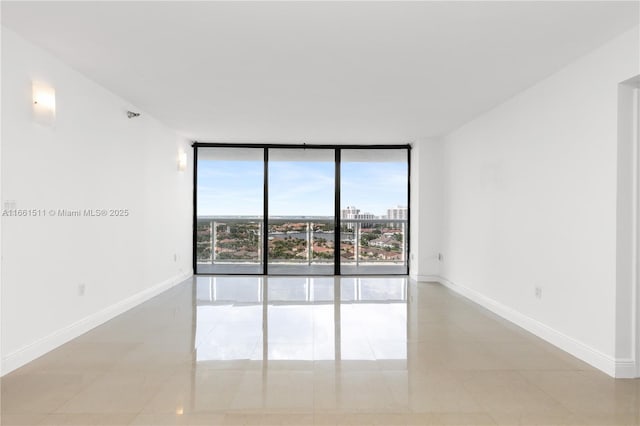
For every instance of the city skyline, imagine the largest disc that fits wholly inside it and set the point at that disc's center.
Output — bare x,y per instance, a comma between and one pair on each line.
298,188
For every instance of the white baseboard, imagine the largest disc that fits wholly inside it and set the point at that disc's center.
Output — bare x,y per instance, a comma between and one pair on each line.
425,278
599,360
40,347
626,369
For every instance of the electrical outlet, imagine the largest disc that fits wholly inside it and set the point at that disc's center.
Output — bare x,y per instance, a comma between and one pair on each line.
81,289
538,292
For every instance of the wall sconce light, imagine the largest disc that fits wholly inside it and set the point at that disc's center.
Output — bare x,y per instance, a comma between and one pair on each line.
182,161
44,103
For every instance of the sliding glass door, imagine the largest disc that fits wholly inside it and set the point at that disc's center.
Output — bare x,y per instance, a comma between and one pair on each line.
230,204
301,210
374,211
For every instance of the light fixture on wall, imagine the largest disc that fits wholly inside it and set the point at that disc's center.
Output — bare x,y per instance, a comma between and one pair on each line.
182,161
44,103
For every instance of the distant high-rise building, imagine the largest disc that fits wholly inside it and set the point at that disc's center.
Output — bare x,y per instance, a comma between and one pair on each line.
353,213
399,213
349,213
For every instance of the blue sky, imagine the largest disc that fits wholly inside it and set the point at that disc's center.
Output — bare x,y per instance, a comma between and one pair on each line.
298,188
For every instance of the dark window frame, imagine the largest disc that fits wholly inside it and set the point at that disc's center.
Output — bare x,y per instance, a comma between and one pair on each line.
266,146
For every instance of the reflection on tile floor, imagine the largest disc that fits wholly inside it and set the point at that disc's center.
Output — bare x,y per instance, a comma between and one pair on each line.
312,351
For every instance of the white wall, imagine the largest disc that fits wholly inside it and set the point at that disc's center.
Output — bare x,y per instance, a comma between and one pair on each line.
530,200
93,157
627,219
426,209
1,198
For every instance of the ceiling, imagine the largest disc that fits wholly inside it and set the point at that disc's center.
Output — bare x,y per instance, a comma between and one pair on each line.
327,72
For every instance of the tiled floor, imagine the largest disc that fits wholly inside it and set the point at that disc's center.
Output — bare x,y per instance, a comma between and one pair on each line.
305,351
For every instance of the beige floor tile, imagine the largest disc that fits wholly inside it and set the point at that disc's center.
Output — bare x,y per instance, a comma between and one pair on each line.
115,393
447,355
537,419
347,418
233,419
436,391
20,419
80,355
528,356
509,392
325,419
588,392
197,391
565,356
92,419
41,393
439,332
178,420
611,419
275,391
163,358
460,419
293,419
418,419
355,391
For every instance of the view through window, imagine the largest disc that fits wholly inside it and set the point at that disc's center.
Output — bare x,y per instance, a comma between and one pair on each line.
229,231
374,211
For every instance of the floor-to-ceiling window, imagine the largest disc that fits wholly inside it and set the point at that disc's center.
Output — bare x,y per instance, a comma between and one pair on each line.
374,211
230,205
301,210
